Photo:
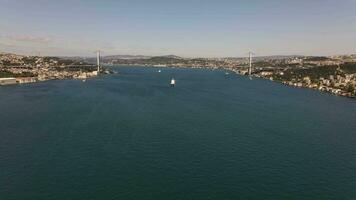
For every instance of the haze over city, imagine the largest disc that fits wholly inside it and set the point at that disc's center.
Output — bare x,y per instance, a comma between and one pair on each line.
185,28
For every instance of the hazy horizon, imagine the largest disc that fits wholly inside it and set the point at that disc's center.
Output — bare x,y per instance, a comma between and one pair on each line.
163,55
183,28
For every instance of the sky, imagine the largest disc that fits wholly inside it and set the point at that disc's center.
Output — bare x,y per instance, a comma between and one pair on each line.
189,28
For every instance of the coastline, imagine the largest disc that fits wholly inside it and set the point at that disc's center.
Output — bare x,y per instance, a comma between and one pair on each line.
86,75
243,73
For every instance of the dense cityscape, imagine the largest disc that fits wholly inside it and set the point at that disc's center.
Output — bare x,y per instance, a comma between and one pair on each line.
25,69
335,74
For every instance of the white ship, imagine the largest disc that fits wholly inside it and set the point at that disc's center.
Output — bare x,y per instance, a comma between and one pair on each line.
173,82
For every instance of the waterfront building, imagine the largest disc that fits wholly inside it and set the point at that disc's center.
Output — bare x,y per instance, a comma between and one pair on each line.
7,81
26,80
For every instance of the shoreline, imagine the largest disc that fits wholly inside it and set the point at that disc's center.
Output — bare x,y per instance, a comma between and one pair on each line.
88,75
238,72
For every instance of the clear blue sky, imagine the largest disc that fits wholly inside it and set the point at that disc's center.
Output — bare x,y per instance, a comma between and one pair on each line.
209,28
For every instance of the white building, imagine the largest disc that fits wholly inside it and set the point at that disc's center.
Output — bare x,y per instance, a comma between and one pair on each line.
7,81
26,80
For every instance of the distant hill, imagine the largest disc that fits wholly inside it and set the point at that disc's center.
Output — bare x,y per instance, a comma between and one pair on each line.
155,60
318,58
276,57
127,57
113,57
173,59
141,59
170,56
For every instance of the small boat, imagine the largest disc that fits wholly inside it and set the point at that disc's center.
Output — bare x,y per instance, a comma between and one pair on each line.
173,82
159,71
84,80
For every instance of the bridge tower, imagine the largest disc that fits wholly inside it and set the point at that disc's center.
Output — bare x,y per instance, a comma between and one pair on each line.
250,63
98,60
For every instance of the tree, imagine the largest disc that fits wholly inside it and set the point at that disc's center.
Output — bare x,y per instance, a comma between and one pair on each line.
350,88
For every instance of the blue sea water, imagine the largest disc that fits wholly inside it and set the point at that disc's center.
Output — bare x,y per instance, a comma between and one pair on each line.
212,136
